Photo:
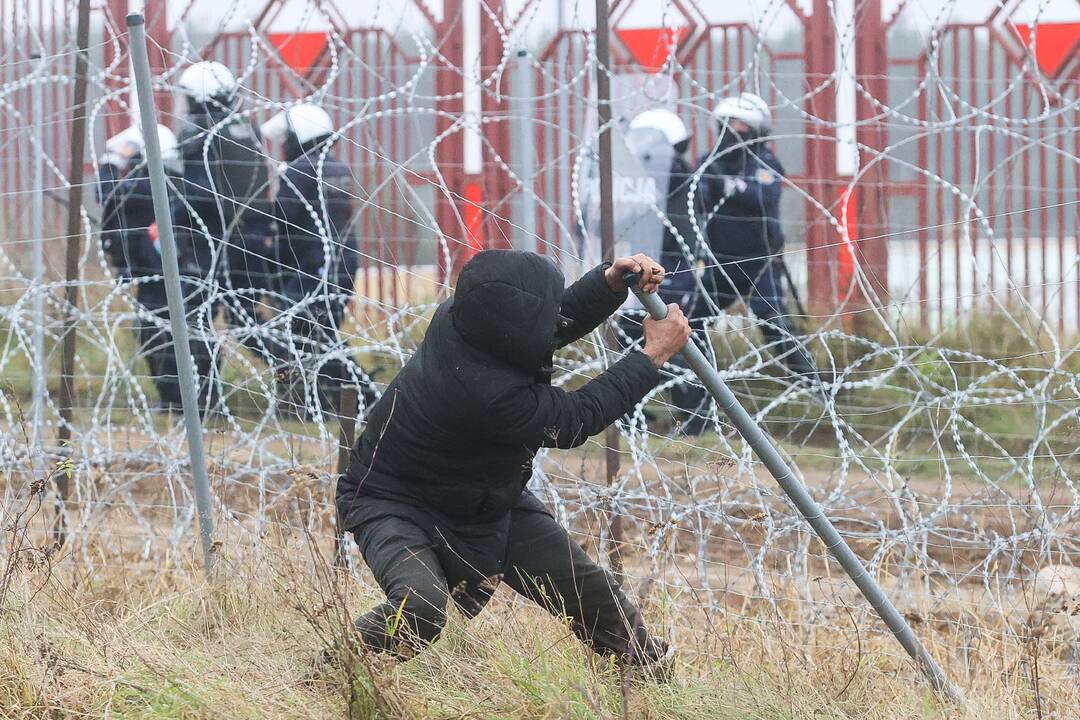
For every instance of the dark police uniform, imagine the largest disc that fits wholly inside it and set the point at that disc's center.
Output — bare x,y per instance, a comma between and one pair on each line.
222,232
740,211
126,217
315,263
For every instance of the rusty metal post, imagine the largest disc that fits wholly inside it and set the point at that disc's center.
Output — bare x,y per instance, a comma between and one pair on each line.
37,264
607,239
871,72
495,109
347,417
74,245
820,158
450,153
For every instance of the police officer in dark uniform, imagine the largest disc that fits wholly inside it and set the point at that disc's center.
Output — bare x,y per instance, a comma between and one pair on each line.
128,237
222,216
315,262
739,211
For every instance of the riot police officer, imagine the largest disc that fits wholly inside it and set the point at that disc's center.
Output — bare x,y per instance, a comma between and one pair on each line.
129,240
739,211
315,261
221,215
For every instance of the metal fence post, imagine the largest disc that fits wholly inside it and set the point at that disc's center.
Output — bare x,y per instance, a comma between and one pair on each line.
780,470
71,257
37,270
171,271
524,151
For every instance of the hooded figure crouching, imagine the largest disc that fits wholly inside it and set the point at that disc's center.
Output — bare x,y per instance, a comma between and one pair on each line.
435,493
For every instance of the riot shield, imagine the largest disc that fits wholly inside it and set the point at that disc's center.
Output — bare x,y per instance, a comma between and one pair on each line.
641,165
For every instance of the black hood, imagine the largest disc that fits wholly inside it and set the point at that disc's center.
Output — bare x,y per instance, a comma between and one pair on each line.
507,304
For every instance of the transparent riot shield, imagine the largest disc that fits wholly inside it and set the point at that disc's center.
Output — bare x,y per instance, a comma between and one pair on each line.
641,164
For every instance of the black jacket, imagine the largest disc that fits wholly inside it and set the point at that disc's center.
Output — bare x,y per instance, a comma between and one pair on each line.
203,212
678,214
450,444
127,212
739,201
310,191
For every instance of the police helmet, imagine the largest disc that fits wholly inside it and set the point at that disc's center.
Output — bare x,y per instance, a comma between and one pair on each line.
129,145
208,81
667,122
745,107
304,123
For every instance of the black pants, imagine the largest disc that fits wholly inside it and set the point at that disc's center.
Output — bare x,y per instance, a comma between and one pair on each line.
241,278
239,306
203,339
544,564
309,361
759,283
155,340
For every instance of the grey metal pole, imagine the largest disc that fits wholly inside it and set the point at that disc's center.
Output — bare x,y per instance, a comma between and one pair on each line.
524,106
37,270
785,477
171,271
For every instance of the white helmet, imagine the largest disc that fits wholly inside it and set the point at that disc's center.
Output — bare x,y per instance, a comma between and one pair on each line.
746,107
170,151
665,121
121,147
207,80
306,121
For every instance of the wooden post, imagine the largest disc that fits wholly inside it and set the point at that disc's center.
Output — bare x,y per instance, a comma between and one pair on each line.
347,416
74,245
607,241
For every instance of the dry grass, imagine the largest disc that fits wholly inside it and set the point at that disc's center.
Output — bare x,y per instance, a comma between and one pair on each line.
131,640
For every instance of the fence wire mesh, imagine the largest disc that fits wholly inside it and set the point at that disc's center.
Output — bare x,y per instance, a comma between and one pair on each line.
930,208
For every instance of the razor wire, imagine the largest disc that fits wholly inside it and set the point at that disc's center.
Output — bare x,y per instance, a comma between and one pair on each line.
947,460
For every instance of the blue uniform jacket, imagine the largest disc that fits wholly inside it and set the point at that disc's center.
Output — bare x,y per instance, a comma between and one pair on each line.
197,202
313,212
127,211
740,204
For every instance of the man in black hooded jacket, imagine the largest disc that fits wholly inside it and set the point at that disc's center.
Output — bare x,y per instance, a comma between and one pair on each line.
435,492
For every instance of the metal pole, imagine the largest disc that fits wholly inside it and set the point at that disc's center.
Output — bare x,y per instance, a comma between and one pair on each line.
37,269
603,115
525,150
170,269
607,237
347,418
785,477
71,260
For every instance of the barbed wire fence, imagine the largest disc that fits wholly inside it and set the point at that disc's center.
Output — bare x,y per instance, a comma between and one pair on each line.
944,446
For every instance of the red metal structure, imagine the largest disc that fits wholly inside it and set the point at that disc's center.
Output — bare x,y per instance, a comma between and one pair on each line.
971,112
1003,135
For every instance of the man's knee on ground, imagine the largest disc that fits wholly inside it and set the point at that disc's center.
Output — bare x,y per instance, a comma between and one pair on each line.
417,618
